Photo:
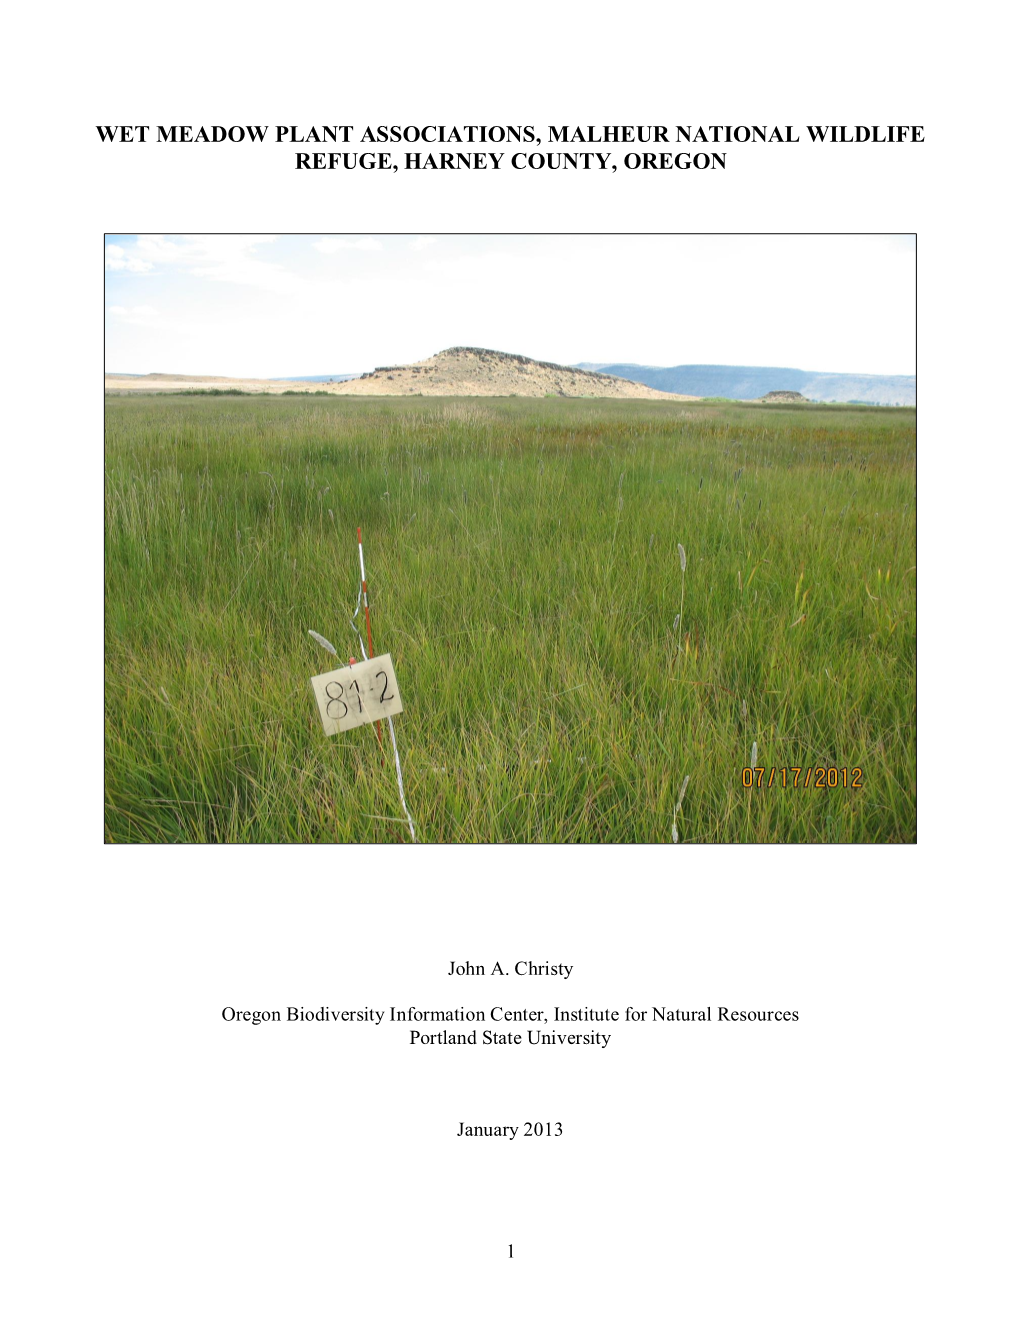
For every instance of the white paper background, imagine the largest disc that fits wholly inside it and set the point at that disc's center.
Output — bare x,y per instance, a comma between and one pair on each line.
165,1163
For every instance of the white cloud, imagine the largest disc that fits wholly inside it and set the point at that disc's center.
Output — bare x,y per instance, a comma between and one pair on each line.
118,259
420,244
227,258
330,245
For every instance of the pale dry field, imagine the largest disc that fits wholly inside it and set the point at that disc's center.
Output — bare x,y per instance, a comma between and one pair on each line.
158,382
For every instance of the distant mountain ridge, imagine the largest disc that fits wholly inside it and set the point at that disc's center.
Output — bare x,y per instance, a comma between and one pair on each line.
707,381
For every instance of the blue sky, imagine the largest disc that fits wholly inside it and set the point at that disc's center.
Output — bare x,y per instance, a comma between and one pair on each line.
286,305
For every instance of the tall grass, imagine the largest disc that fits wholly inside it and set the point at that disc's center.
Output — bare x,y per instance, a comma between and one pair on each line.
524,575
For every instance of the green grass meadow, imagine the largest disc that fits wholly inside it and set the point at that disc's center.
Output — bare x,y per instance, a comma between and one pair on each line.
523,572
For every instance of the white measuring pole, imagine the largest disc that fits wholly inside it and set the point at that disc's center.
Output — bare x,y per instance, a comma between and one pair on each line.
378,727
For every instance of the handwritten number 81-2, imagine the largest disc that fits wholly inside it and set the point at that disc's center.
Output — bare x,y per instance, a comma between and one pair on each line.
338,709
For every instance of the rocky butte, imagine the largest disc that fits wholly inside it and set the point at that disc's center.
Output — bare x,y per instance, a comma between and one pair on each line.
485,371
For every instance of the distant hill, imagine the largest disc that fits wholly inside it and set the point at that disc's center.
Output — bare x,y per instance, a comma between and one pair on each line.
486,371
755,382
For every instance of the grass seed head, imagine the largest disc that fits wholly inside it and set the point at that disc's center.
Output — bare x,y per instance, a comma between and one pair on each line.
754,755
322,641
683,557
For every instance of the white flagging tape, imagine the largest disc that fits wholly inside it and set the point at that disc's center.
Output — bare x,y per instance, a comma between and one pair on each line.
358,636
400,779
393,736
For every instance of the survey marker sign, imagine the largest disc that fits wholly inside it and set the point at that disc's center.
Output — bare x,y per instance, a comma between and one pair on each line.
357,694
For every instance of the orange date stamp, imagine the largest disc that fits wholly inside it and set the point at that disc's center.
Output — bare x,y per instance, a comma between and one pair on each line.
799,776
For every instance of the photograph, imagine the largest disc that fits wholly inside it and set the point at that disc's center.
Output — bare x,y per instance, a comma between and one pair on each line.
510,538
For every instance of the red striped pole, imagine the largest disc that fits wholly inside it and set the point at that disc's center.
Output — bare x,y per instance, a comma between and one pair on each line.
368,624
